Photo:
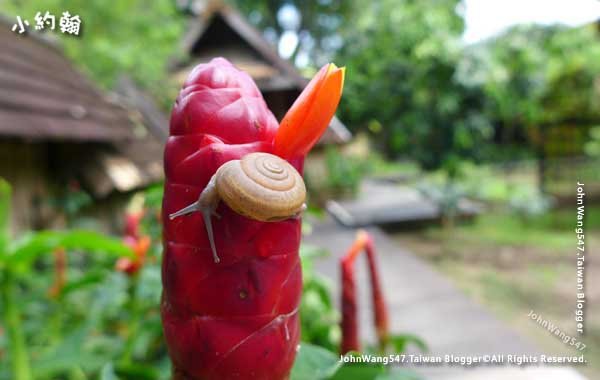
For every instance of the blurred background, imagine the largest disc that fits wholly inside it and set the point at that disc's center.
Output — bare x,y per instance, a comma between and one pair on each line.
461,136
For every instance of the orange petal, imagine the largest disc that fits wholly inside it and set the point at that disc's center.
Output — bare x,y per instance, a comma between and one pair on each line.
142,246
307,120
360,243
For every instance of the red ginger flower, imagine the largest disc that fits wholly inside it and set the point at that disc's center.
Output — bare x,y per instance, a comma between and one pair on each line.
236,318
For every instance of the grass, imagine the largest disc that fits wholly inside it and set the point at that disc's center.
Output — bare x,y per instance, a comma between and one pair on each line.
511,259
513,265
552,231
381,167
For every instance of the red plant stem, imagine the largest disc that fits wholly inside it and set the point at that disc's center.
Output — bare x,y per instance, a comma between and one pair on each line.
350,338
132,223
380,313
349,324
60,272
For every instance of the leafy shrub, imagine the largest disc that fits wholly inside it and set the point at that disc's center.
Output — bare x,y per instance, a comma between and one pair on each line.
344,172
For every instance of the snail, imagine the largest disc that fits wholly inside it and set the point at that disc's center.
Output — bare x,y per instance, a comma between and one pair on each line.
259,186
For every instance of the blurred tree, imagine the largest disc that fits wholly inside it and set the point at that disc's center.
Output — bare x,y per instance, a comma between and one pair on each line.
133,36
403,84
542,75
542,87
307,32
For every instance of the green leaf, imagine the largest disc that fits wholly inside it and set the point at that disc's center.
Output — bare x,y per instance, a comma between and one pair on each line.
314,363
362,371
108,372
11,319
311,252
399,375
137,371
69,354
400,342
32,245
90,278
323,288
154,195
4,215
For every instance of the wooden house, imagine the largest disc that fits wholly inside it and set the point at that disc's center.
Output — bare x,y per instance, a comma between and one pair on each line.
59,132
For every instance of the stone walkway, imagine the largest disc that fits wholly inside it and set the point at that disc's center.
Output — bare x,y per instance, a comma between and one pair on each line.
425,303
383,202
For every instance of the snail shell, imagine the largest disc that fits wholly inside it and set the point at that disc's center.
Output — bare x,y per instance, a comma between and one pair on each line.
261,186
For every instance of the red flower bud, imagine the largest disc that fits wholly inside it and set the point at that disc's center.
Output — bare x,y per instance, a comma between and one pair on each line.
140,248
349,324
60,272
132,224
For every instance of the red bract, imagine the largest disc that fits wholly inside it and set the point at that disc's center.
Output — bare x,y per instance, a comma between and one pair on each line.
236,318
349,324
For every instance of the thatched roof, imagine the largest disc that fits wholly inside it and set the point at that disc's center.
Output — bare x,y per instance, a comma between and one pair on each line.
133,163
222,31
44,97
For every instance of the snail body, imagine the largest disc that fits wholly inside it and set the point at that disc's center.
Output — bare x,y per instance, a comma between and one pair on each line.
259,186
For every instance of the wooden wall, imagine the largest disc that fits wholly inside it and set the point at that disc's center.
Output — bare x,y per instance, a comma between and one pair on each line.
38,173
24,166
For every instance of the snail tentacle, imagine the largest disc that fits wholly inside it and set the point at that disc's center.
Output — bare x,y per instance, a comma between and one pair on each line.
206,213
259,186
207,204
186,210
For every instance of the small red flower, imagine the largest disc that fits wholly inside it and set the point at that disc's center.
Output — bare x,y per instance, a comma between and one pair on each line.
60,272
132,223
140,248
140,244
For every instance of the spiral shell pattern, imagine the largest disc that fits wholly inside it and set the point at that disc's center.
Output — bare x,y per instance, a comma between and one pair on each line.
261,186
